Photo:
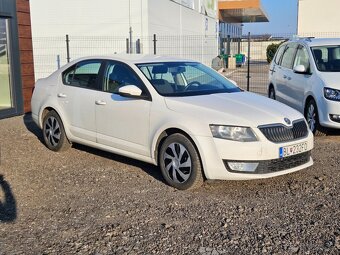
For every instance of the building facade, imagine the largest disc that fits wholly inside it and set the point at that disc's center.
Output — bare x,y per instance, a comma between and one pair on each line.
16,58
318,18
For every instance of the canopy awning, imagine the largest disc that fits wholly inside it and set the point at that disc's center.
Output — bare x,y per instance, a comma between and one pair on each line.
241,11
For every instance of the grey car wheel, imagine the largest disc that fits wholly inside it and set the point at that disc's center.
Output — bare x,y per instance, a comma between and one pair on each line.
312,117
54,133
271,93
180,163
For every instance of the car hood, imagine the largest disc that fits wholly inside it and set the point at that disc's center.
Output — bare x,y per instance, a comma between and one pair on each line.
239,109
330,79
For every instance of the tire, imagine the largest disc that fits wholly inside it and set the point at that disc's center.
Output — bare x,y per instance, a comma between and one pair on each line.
180,163
54,132
271,93
312,117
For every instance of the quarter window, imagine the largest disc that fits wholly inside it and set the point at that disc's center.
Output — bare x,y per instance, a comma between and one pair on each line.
84,74
288,57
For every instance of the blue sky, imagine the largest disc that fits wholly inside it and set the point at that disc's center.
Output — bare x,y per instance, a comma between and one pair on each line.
282,18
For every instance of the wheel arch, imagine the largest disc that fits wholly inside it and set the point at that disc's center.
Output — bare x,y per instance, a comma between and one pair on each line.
46,109
175,130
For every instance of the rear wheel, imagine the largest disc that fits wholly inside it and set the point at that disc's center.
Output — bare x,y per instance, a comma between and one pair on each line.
271,93
54,132
312,117
180,163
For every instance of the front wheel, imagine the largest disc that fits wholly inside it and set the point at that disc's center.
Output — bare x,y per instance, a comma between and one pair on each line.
312,117
180,163
54,132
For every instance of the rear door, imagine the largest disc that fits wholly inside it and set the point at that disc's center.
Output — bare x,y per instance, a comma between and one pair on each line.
284,73
81,84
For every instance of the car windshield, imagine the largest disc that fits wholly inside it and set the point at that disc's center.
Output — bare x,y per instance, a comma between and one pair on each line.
327,58
185,79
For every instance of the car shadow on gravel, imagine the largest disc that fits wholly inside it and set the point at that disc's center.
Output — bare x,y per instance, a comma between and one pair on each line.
8,208
32,127
150,169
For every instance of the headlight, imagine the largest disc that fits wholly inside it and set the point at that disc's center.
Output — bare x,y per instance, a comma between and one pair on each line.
332,94
241,134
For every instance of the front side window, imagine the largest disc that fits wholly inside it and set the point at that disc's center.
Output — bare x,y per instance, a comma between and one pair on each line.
185,79
288,56
117,75
85,74
327,58
302,58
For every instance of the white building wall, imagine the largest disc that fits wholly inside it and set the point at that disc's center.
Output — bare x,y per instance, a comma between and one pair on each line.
319,18
101,27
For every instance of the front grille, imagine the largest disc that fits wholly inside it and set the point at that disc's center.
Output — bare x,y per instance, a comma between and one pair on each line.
280,133
276,165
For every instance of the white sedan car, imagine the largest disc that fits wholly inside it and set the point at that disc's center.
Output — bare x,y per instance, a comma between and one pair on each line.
180,115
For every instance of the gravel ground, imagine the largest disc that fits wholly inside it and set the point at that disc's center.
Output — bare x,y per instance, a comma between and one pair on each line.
90,202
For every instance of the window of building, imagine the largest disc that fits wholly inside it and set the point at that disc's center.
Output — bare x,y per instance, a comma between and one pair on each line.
6,100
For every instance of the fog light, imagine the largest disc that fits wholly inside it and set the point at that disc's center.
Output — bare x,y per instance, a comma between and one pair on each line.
335,117
243,167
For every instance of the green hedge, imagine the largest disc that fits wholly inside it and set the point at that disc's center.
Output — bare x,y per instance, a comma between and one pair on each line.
271,50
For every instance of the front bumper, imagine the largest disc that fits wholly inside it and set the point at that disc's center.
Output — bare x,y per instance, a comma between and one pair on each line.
215,152
327,108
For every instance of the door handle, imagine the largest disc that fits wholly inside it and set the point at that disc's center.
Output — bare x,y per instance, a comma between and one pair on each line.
100,102
62,95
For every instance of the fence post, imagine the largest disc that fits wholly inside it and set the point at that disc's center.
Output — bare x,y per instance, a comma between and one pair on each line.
138,51
68,49
228,50
130,37
127,46
154,44
239,45
248,69
58,62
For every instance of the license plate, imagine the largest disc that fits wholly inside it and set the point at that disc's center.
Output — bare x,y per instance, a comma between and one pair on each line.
293,149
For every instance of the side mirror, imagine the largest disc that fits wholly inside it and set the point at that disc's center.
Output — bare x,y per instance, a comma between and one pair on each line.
130,91
300,69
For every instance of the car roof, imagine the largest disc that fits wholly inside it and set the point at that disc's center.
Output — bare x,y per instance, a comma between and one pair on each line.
312,42
136,58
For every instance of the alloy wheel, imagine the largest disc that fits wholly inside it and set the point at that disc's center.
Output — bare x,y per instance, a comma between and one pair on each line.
177,162
52,131
311,117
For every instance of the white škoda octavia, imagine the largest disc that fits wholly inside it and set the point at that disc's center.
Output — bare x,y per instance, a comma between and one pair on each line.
178,114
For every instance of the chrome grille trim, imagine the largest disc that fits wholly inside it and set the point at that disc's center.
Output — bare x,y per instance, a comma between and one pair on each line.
279,133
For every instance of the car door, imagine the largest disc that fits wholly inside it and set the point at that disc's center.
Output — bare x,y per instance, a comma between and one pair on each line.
77,98
123,122
276,73
297,83
284,73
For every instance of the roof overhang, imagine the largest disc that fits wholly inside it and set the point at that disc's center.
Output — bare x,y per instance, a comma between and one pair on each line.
241,11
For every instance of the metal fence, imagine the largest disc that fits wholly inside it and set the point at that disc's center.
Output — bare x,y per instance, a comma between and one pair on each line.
52,52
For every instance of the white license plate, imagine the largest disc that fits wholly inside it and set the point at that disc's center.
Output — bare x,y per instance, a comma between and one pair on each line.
293,149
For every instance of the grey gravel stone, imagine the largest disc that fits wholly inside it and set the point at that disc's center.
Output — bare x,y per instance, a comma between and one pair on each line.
86,201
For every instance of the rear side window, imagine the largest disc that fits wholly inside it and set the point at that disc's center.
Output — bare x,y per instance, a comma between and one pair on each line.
85,74
279,54
288,56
